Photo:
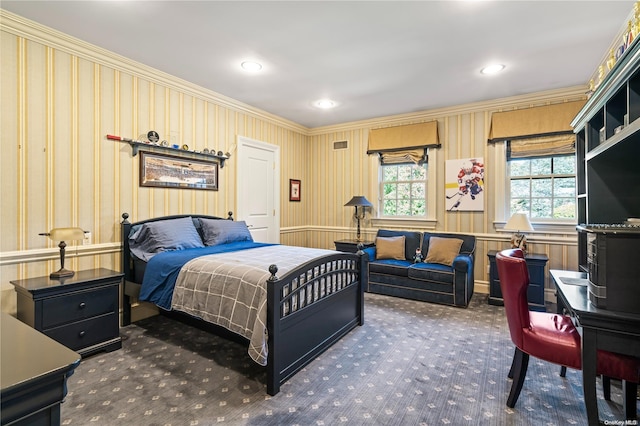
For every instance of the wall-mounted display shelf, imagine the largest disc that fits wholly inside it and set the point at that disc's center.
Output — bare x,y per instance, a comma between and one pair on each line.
137,146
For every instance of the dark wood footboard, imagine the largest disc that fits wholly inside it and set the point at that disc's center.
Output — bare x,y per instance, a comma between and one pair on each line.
309,309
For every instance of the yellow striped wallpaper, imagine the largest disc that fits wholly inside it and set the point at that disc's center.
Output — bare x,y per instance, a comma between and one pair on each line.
61,97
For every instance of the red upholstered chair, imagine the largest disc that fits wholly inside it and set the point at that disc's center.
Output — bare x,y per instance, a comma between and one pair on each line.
552,337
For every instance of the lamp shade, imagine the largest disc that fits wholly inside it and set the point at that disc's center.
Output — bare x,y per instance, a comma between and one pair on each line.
359,200
66,234
62,235
518,222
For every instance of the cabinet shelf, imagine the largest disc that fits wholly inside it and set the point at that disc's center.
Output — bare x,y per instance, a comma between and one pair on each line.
607,150
624,136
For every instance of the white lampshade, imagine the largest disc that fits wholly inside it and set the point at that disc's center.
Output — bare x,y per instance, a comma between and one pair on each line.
518,222
66,234
61,235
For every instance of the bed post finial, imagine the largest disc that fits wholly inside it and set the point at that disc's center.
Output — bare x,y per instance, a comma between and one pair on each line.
230,215
125,216
273,269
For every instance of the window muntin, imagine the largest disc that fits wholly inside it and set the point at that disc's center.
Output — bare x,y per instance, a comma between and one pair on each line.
543,187
404,190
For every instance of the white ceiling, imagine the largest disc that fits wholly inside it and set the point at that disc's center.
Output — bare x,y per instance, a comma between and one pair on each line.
374,58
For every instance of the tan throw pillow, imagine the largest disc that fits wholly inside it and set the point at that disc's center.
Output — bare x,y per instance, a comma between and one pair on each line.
390,248
443,250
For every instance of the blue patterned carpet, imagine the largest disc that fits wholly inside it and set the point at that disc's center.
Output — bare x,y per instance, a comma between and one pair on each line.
412,363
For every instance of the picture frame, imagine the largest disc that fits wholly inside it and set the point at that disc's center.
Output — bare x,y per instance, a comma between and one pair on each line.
295,187
169,171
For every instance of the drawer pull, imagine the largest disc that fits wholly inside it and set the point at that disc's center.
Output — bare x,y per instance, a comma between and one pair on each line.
82,333
82,305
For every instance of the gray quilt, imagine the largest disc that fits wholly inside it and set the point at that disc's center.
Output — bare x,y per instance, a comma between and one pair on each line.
229,289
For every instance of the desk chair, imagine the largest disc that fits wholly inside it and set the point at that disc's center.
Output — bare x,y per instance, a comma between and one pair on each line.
552,337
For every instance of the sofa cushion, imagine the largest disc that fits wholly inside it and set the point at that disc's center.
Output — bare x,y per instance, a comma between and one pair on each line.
390,247
399,268
443,250
431,272
468,244
412,241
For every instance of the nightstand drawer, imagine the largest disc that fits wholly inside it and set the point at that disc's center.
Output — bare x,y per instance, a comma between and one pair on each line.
86,333
77,306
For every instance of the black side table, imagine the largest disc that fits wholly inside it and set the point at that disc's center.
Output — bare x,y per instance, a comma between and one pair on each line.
535,294
81,312
351,246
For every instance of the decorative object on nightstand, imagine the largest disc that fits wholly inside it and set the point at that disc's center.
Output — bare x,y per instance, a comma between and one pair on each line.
81,312
518,222
359,201
62,235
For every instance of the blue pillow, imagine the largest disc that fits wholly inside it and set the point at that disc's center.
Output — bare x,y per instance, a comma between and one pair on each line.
164,235
215,232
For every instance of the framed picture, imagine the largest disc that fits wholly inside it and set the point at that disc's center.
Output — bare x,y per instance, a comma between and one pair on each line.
464,185
168,171
294,190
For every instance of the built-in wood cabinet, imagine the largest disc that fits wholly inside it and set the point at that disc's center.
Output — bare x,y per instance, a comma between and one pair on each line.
608,150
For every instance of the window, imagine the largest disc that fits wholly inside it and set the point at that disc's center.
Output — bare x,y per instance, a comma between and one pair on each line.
404,190
543,187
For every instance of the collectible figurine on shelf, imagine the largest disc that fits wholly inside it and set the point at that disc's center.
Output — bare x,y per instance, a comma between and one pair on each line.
153,136
611,61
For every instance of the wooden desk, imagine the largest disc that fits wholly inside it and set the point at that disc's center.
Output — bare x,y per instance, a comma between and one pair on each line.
33,374
601,329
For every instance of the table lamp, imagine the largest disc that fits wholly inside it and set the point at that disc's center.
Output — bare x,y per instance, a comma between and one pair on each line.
359,201
518,222
62,235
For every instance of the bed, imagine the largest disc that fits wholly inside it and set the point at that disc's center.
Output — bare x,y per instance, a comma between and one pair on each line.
289,303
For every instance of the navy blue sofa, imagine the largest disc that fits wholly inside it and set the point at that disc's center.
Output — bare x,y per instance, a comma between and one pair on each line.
429,282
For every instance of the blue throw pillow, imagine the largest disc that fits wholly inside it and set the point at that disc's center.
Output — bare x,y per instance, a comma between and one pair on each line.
216,232
164,235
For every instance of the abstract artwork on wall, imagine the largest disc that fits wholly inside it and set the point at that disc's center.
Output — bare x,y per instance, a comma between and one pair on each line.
464,184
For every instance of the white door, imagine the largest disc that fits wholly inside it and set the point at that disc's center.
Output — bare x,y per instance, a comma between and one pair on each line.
259,189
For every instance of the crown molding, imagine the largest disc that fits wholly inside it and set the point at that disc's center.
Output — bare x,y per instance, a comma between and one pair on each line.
22,27
30,30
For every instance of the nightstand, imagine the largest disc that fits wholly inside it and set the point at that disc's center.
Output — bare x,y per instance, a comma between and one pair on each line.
351,246
81,311
535,293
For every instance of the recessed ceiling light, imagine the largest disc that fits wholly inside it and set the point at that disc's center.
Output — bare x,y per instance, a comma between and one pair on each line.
492,69
251,66
325,103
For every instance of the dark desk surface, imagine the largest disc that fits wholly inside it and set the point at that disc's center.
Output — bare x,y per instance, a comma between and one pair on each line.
29,363
572,289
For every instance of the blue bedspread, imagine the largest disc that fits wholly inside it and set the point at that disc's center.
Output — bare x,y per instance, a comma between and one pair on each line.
162,270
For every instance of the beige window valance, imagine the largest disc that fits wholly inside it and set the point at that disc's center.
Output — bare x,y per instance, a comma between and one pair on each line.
548,120
403,144
543,146
418,156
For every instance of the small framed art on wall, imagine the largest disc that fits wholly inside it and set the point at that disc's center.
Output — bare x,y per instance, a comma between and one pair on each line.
294,189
